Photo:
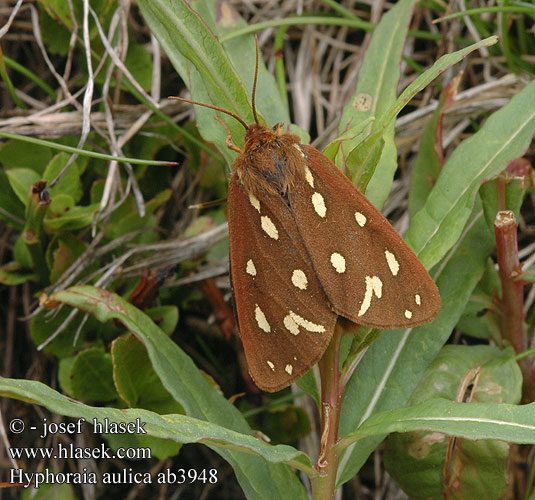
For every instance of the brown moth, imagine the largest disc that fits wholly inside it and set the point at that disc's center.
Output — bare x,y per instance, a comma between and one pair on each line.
306,246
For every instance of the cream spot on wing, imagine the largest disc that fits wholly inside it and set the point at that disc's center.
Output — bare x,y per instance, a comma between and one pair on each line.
261,319
309,177
374,286
254,202
295,359
296,146
291,325
418,300
289,369
268,227
250,268
293,321
360,218
408,314
392,262
299,279
338,262
271,365
319,204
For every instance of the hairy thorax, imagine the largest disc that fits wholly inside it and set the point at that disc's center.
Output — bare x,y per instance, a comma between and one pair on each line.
271,162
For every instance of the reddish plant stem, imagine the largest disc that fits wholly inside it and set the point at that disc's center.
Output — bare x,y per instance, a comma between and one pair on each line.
323,487
511,315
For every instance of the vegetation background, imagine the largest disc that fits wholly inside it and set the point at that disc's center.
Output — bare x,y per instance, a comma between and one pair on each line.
130,222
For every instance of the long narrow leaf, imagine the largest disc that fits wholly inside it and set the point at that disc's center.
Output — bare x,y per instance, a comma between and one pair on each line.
393,365
506,422
503,137
376,93
258,478
180,428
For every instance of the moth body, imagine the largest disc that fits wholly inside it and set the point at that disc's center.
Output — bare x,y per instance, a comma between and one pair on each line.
306,247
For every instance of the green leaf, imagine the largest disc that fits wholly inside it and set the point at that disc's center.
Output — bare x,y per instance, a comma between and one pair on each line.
126,218
180,428
241,52
47,491
140,387
70,182
415,461
62,252
503,137
12,209
363,160
479,468
427,165
137,382
92,376
139,62
16,154
12,274
20,180
376,93
202,63
166,317
515,188
190,388
506,422
75,218
395,362
45,325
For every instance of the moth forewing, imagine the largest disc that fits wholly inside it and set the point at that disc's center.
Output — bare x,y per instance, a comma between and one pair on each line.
284,318
366,269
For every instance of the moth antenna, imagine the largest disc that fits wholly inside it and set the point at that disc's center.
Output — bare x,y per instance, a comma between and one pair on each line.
217,108
255,80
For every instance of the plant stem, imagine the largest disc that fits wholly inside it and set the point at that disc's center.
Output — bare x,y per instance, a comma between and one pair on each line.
323,487
512,301
33,234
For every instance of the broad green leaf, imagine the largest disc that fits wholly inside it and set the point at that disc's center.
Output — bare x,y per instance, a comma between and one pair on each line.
139,386
92,376
49,490
180,428
503,137
395,362
16,154
45,325
139,62
126,218
70,183
166,317
62,252
479,468
353,136
12,210
191,389
135,378
499,379
20,180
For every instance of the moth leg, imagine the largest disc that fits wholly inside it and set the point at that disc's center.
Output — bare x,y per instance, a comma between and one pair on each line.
228,140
